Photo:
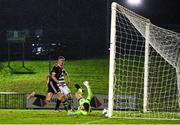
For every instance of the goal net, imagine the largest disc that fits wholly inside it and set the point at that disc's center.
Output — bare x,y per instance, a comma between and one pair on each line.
144,77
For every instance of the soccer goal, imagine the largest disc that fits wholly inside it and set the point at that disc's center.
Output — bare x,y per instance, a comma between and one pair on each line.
144,70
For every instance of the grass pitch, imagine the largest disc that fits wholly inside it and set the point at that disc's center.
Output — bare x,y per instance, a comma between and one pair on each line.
32,77
52,117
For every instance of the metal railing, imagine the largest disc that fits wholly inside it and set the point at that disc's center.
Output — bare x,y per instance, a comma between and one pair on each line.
12,100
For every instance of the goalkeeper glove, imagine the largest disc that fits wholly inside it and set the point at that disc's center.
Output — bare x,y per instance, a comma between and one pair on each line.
77,86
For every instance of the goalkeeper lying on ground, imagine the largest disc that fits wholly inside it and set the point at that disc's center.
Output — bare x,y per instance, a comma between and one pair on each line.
84,103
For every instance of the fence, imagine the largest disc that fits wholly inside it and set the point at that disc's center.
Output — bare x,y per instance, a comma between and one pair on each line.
12,100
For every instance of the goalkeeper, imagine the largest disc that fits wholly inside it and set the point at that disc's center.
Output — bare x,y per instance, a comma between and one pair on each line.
84,103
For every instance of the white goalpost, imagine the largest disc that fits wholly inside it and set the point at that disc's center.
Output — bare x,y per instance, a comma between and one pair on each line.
144,68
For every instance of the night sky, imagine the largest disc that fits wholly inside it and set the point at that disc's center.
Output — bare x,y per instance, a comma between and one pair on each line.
50,14
165,13
79,13
80,23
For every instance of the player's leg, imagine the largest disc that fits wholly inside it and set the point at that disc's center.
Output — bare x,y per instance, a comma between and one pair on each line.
44,100
31,95
90,94
54,88
48,98
58,102
41,100
38,100
70,101
61,98
68,97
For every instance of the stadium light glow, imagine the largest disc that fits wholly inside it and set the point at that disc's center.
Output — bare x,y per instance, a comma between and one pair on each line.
134,2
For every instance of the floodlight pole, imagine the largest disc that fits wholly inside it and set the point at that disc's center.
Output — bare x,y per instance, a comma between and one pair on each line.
49,63
107,26
23,54
8,53
49,56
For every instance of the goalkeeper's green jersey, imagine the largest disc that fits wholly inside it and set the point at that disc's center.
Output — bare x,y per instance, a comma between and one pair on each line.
80,111
82,101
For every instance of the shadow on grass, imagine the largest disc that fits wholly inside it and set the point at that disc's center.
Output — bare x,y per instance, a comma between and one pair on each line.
23,70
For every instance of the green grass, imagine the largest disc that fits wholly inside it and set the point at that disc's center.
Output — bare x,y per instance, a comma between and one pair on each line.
51,117
33,76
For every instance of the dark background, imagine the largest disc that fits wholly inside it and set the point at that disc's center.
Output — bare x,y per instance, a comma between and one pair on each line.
73,28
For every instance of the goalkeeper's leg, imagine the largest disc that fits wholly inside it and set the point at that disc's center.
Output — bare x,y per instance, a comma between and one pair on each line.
90,94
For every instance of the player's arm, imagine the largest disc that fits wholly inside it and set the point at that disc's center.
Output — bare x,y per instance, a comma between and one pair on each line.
79,92
53,74
54,78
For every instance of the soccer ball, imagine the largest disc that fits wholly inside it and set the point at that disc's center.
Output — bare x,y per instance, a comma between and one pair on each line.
105,112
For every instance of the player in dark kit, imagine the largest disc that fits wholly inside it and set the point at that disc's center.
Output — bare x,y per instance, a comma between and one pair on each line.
63,86
55,78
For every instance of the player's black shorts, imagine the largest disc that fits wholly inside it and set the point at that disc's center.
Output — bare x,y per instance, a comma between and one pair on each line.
52,87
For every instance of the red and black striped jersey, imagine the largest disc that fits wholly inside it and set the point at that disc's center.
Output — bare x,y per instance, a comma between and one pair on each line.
59,73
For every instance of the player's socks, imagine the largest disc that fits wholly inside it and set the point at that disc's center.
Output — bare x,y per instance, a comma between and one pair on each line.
58,102
70,103
65,104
